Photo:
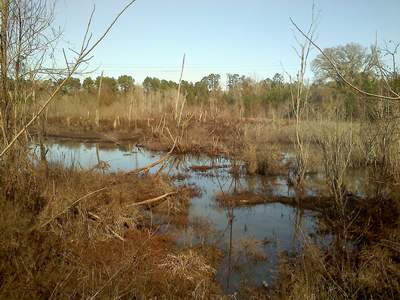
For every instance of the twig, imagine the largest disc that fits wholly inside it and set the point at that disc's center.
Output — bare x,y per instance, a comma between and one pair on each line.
73,204
338,72
179,87
152,200
108,281
115,234
85,51
149,166
94,216
130,263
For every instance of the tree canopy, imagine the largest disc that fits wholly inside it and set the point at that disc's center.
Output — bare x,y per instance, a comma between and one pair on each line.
351,60
125,83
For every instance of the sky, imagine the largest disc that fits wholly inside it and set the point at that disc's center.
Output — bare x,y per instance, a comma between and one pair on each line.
253,38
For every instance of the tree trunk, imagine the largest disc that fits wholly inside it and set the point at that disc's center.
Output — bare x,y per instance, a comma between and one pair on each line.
5,99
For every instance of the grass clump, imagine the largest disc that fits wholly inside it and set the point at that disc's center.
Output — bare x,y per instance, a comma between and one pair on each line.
70,233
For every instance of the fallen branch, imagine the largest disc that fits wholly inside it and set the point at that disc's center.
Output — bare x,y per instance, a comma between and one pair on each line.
153,164
97,218
115,234
152,200
93,216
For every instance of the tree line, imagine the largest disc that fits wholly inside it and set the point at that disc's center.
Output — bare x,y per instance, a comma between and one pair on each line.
362,66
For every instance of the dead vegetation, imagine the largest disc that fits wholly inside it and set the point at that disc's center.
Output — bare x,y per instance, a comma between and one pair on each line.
69,233
317,274
365,222
85,239
244,198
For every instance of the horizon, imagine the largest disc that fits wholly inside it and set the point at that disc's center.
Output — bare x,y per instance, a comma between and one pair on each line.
258,45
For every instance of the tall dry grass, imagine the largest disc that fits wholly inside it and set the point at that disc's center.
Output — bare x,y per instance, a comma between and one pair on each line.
259,138
371,273
74,233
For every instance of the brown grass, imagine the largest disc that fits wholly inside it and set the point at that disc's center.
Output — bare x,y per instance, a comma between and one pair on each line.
317,203
99,246
369,269
372,272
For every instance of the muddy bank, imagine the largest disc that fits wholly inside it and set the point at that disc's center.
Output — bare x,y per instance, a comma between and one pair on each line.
94,136
217,136
314,203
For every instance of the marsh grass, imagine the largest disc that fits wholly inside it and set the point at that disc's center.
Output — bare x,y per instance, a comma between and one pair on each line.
98,246
360,263
319,274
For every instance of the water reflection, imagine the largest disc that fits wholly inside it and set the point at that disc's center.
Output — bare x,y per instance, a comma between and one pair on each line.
250,237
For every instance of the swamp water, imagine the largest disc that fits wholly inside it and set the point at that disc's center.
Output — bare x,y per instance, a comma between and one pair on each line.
250,238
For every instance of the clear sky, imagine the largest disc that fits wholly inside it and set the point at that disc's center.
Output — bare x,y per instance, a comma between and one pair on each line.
253,37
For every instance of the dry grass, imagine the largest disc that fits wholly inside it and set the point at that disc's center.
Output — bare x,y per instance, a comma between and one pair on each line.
251,250
152,122
336,144
264,161
187,266
319,274
188,274
369,270
96,247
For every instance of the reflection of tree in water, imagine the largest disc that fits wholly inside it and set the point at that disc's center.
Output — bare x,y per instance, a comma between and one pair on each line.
101,164
234,186
298,224
244,252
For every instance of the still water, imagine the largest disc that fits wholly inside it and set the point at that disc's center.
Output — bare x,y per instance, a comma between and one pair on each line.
251,241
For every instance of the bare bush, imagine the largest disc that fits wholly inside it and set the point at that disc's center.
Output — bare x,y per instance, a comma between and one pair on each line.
380,141
336,144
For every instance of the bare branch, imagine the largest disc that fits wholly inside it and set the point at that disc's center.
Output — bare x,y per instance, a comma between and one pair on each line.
79,60
330,60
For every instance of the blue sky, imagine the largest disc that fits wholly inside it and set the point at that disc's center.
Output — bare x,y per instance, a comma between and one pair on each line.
253,37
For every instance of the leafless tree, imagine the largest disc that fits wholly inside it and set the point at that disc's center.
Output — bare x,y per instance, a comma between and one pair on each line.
391,50
27,38
299,96
23,43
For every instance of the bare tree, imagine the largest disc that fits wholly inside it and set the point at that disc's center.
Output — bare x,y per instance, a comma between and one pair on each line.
81,56
299,100
27,39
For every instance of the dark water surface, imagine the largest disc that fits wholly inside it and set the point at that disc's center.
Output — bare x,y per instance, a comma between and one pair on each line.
257,234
